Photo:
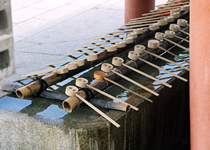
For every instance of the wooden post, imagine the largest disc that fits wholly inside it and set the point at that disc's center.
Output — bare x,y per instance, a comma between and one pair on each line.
135,8
199,75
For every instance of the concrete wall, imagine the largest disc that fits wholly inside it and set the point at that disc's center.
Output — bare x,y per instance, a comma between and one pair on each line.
161,125
7,62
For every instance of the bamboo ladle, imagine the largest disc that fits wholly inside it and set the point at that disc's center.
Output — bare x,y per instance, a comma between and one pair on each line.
176,28
110,48
100,75
171,4
59,70
154,44
82,82
161,22
166,10
135,56
182,23
161,36
72,91
117,61
181,7
141,49
80,62
106,67
169,32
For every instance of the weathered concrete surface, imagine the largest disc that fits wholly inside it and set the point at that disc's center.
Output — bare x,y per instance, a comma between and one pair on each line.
7,62
160,125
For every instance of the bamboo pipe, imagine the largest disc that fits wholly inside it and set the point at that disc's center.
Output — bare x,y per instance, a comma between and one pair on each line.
106,67
101,76
117,61
161,36
135,56
70,92
61,96
82,82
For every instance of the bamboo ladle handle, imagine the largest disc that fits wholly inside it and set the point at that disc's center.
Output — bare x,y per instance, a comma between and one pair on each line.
98,111
110,96
136,83
101,76
167,60
146,75
172,54
117,84
182,39
151,64
176,44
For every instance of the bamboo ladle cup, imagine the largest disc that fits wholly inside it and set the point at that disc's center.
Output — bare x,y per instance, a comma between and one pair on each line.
182,23
106,67
100,75
72,91
82,82
154,44
161,36
117,61
142,50
135,56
